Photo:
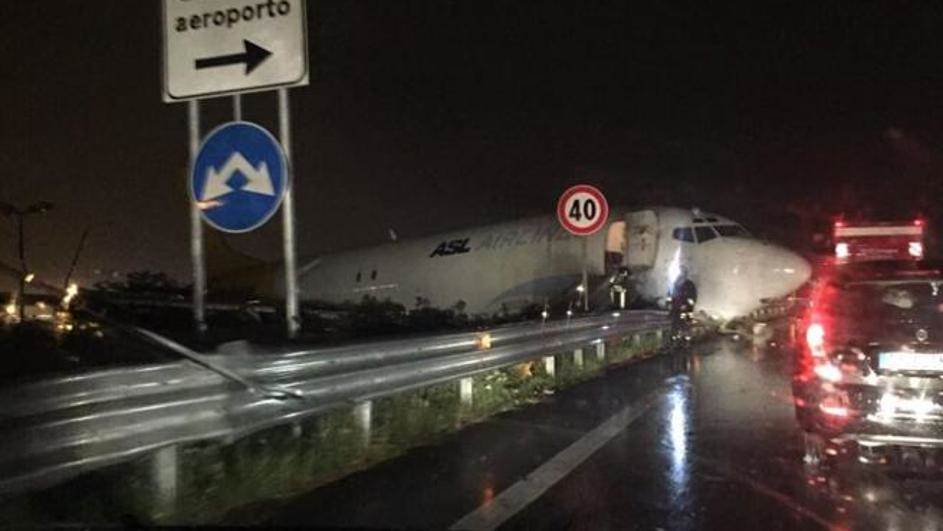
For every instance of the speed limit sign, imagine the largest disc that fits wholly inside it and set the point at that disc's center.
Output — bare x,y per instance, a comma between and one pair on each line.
582,210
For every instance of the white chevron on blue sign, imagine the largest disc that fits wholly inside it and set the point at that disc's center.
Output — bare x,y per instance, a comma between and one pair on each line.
239,177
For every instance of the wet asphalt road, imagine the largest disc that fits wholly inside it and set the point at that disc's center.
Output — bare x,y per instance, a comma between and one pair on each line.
714,446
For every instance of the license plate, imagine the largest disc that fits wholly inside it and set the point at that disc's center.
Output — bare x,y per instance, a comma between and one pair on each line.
911,361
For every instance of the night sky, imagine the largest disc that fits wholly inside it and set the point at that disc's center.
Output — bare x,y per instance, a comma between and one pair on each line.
425,116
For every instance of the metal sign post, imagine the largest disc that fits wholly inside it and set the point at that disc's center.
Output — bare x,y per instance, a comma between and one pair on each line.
582,210
237,108
196,228
288,218
585,281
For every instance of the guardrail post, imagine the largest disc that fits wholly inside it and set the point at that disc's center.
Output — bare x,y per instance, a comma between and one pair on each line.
636,340
601,350
465,389
578,357
550,365
165,476
363,416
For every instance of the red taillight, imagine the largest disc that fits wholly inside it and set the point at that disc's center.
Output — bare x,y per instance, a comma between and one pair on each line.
839,224
815,339
918,222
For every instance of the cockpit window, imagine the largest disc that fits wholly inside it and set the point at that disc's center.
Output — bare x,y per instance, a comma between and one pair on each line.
684,234
731,230
704,234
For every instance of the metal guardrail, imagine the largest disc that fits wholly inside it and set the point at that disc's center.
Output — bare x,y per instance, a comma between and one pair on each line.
62,427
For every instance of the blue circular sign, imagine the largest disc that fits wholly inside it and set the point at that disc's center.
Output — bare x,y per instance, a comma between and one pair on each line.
239,177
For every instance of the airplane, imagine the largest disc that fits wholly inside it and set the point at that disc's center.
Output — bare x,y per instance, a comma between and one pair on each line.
506,267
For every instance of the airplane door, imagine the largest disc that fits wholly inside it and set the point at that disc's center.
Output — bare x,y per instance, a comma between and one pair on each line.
642,235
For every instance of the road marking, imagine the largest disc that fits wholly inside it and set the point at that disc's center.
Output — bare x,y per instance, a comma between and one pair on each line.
521,494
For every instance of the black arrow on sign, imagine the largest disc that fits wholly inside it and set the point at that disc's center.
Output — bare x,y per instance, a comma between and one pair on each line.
252,57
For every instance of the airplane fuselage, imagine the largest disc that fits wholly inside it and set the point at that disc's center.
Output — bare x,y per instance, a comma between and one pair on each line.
533,261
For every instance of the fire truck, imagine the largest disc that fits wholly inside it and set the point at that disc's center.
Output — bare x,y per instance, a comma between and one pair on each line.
867,241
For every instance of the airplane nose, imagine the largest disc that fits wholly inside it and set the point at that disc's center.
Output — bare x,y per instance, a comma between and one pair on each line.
786,270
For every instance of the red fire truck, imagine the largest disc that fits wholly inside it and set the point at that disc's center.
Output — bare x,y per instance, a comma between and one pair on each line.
865,241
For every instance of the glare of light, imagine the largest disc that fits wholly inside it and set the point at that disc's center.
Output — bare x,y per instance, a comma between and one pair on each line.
677,434
837,411
839,224
616,314
842,250
29,277
11,308
891,405
484,341
569,313
918,222
828,372
41,305
545,314
580,289
674,269
887,406
922,407
207,205
915,249
70,294
605,327
815,338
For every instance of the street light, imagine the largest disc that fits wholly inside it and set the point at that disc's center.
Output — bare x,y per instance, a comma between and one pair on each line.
18,215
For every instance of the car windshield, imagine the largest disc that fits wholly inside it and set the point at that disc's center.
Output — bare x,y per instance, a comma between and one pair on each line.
902,302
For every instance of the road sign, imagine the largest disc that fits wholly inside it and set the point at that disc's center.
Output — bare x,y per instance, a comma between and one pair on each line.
239,177
218,47
582,210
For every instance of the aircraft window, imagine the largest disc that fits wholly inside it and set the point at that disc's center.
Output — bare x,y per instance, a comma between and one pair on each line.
358,276
731,230
704,234
711,220
684,234
373,275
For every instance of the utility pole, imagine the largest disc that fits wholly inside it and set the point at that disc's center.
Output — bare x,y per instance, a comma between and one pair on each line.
19,215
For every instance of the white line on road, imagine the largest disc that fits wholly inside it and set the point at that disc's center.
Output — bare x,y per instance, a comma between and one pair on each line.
519,495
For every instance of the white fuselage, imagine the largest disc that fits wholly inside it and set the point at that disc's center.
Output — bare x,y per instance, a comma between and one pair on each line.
509,265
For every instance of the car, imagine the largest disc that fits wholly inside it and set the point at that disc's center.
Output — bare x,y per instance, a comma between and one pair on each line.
868,377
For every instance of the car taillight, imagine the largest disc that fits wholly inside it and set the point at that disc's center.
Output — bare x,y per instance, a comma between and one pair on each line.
815,339
842,250
915,249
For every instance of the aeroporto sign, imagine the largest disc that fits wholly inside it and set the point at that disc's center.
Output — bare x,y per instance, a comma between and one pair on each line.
218,47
